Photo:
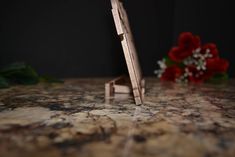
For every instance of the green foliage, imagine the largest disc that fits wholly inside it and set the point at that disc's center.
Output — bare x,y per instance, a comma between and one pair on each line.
49,79
219,78
21,73
170,62
3,82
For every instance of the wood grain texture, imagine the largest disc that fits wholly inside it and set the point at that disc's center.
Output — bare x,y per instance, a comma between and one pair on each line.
124,31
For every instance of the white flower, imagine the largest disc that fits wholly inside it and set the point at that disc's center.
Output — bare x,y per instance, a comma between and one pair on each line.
162,66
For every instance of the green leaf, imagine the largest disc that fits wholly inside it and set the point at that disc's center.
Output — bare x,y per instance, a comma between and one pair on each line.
13,67
3,83
50,79
219,78
20,73
170,62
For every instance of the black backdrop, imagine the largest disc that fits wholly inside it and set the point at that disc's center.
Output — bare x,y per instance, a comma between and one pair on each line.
77,38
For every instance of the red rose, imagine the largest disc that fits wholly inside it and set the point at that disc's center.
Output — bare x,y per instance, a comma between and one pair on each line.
212,50
186,44
177,54
188,41
198,76
171,73
217,65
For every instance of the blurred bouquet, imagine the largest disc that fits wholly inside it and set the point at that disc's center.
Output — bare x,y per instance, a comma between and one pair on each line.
192,62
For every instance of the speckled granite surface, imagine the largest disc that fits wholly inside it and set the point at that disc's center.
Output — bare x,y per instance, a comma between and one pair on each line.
74,119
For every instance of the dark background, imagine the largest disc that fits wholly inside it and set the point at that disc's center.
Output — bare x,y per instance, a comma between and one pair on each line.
77,38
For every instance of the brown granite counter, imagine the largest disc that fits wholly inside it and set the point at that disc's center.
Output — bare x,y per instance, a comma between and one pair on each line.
74,119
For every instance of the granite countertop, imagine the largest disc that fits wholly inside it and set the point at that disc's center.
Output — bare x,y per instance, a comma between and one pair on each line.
74,119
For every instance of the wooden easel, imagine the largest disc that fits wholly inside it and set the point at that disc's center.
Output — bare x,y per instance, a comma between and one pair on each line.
136,83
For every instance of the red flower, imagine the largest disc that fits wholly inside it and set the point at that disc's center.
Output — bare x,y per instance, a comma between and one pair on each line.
214,66
217,65
212,50
177,54
201,67
187,42
198,76
171,73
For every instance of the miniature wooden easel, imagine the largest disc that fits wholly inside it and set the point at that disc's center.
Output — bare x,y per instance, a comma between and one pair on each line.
122,84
